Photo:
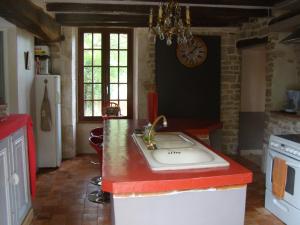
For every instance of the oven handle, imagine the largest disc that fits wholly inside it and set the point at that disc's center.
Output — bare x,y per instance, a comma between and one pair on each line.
294,165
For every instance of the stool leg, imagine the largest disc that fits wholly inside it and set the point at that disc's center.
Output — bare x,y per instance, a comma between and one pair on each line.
99,197
96,181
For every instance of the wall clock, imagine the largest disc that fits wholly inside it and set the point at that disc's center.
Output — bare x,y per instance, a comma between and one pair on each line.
192,54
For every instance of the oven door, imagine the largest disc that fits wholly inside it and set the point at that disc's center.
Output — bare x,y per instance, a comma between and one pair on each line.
292,187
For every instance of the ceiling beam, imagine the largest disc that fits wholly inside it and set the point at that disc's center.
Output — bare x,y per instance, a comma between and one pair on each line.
138,21
265,3
107,9
26,15
286,22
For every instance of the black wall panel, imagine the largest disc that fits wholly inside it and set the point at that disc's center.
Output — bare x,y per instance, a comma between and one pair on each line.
184,92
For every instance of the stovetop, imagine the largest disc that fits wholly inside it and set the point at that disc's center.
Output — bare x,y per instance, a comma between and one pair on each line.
288,144
291,137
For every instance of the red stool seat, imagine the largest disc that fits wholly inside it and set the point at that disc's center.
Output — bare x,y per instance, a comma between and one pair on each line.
96,143
97,132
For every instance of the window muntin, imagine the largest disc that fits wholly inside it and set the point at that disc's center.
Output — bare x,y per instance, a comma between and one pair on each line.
104,72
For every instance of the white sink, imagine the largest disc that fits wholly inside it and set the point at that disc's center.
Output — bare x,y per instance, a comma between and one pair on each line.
176,151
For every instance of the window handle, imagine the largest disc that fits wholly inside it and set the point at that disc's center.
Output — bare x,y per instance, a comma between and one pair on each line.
107,90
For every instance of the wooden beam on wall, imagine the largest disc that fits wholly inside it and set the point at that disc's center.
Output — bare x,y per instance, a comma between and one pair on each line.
246,43
26,15
285,23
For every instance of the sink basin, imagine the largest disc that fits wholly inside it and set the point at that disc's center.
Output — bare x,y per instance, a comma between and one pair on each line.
171,141
181,156
176,151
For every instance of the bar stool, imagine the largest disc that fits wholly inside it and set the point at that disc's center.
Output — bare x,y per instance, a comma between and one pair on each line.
96,143
97,196
97,132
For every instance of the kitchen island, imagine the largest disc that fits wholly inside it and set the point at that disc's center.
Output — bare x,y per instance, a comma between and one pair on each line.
141,196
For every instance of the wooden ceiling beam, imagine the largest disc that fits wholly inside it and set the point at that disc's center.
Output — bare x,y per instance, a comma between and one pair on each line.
265,3
26,15
138,21
138,10
143,9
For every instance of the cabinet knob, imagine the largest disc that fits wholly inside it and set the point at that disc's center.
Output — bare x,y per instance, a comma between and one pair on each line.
14,179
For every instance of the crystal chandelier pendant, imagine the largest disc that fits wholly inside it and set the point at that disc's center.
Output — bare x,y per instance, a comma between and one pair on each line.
170,24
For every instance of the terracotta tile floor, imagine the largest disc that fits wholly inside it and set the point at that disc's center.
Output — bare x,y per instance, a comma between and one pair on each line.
61,196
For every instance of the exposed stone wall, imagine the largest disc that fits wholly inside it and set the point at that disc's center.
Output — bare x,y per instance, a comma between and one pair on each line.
145,69
282,73
63,55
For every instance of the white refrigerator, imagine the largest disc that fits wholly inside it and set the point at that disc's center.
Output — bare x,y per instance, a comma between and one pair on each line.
48,120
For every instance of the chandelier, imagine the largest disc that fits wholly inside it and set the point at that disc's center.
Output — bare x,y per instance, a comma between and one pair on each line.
170,24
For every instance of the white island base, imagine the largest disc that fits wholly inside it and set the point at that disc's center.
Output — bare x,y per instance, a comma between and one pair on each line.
222,206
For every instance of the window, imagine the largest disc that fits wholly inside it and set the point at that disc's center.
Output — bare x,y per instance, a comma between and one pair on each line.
105,72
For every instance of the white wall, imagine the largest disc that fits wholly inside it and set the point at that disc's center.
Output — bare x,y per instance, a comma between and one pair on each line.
25,43
10,37
19,81
253,80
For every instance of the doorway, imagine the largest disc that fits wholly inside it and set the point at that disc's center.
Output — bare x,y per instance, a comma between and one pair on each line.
252,113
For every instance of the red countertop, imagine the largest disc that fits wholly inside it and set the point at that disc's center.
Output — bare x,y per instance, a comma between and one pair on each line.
125,170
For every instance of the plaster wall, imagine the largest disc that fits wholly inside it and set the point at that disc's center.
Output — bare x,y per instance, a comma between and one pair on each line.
25,77
10,64
19,81
253,79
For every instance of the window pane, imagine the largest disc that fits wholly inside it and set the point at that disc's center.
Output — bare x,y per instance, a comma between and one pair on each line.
97,58
97,40
113,91
123,91
113,58
97,108
123,106
88,76
88,108
123,58
123,41
87,39
113,41
88,57
123,75
88,92
113,75
97,91
97,75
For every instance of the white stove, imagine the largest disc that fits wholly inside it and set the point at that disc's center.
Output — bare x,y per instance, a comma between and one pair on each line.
288,144
286,147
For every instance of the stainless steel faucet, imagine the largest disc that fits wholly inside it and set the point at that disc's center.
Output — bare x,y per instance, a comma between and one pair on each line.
149,137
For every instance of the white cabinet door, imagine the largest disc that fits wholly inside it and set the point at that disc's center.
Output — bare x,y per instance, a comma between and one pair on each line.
5,217
20,176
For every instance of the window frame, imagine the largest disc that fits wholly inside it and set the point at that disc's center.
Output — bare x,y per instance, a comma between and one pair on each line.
105,70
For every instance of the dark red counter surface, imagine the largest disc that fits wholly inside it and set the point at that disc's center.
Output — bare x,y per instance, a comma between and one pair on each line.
125,170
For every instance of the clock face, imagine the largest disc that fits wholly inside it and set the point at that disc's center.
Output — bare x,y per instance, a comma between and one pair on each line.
192,54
